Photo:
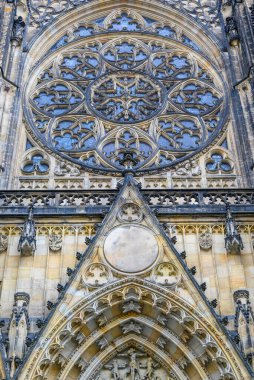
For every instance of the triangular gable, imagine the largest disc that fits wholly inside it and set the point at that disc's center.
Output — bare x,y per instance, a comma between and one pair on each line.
131,279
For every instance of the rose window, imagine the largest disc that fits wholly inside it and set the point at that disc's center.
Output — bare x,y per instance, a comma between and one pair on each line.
135,90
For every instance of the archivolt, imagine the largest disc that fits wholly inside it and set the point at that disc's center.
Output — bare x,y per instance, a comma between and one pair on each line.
78,344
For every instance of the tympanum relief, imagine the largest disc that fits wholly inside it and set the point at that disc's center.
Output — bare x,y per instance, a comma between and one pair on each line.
133,364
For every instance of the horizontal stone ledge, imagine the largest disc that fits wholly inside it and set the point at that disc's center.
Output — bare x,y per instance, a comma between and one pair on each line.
103,210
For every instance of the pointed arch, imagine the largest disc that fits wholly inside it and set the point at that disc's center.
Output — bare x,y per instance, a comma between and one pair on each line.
96,325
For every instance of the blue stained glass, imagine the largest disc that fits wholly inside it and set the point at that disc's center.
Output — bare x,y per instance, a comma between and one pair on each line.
89,143
124,23
64,124
108,149
28,168
188,141
164,160
164,143
182,75
146,148
29,145
90,161
208,99
66,75
216,157
71,63
179,99
127,135
65,142
225,166
189,42
88,124
165,31
82,31
213,123
190,87
58,111
44,99
63,41
189,124
179,63
194,110
158,61
36,164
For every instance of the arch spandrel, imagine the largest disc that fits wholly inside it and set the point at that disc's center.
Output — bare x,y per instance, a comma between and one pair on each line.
102,308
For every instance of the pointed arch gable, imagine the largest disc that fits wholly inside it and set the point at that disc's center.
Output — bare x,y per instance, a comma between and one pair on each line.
168,316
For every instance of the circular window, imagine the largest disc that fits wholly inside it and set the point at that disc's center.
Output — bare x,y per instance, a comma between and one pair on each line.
125,93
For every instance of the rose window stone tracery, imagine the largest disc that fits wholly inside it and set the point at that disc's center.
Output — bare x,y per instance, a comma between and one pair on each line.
156,100
126,97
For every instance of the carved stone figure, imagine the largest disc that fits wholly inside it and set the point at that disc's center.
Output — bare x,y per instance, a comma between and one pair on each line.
205,240
131,327
18,29
27,241
233,240
18,329
131,306
133,364
63,169
244,323
55,242
3,242
189,169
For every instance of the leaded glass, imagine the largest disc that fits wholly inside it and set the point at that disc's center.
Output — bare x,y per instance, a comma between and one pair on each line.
126,92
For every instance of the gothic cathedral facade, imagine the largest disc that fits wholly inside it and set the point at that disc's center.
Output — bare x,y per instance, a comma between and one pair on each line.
127,190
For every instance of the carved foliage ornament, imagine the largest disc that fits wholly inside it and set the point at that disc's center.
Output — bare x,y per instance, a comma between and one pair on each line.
130,212
205,240
166,274
55,242
125,94
3,242
96,275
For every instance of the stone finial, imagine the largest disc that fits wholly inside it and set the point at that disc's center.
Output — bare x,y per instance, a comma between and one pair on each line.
244,320
241,295
233,240
18,330
27,241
